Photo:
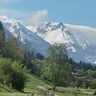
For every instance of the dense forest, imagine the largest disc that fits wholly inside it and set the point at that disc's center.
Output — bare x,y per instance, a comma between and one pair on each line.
56,68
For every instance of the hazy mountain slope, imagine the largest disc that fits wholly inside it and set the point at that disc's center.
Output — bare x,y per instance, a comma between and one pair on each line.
28,39
80,40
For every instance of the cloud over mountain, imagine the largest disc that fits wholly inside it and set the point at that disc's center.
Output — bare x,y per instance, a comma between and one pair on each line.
38,17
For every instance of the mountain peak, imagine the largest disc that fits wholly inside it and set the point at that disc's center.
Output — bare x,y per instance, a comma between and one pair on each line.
80,40
3,18
6,19
29,40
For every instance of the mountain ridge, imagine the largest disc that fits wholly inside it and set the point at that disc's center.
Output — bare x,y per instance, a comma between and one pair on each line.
29,40
80,40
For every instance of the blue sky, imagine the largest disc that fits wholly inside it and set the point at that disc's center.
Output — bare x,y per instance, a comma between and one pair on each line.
82,12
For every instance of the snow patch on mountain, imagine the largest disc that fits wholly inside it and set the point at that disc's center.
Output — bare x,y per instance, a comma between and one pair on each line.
29,40
80,40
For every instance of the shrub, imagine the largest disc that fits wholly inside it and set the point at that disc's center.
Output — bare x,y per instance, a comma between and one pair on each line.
12,74
18,77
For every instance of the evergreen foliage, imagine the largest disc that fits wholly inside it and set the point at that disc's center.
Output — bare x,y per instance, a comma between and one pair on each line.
58,69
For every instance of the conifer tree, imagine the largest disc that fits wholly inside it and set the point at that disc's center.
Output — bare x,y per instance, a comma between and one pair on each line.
13,50
59,67
2,39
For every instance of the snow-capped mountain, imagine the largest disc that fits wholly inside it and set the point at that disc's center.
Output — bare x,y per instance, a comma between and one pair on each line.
80,40
28,39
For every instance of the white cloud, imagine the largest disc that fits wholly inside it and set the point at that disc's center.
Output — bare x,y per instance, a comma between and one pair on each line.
24,17
5,1
10,12
21,16
39,17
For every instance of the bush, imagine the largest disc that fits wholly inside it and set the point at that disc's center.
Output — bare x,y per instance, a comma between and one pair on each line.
93,84
5,71
12,74
18,77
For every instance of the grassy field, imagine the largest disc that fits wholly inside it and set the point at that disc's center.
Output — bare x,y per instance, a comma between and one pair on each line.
74,92
31,88
32,83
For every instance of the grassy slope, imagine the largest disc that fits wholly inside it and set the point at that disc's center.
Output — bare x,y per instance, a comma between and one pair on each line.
32,83
75,91
31,87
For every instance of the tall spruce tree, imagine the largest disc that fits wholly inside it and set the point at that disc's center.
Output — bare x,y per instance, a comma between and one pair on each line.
13,50
2,39
59,67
